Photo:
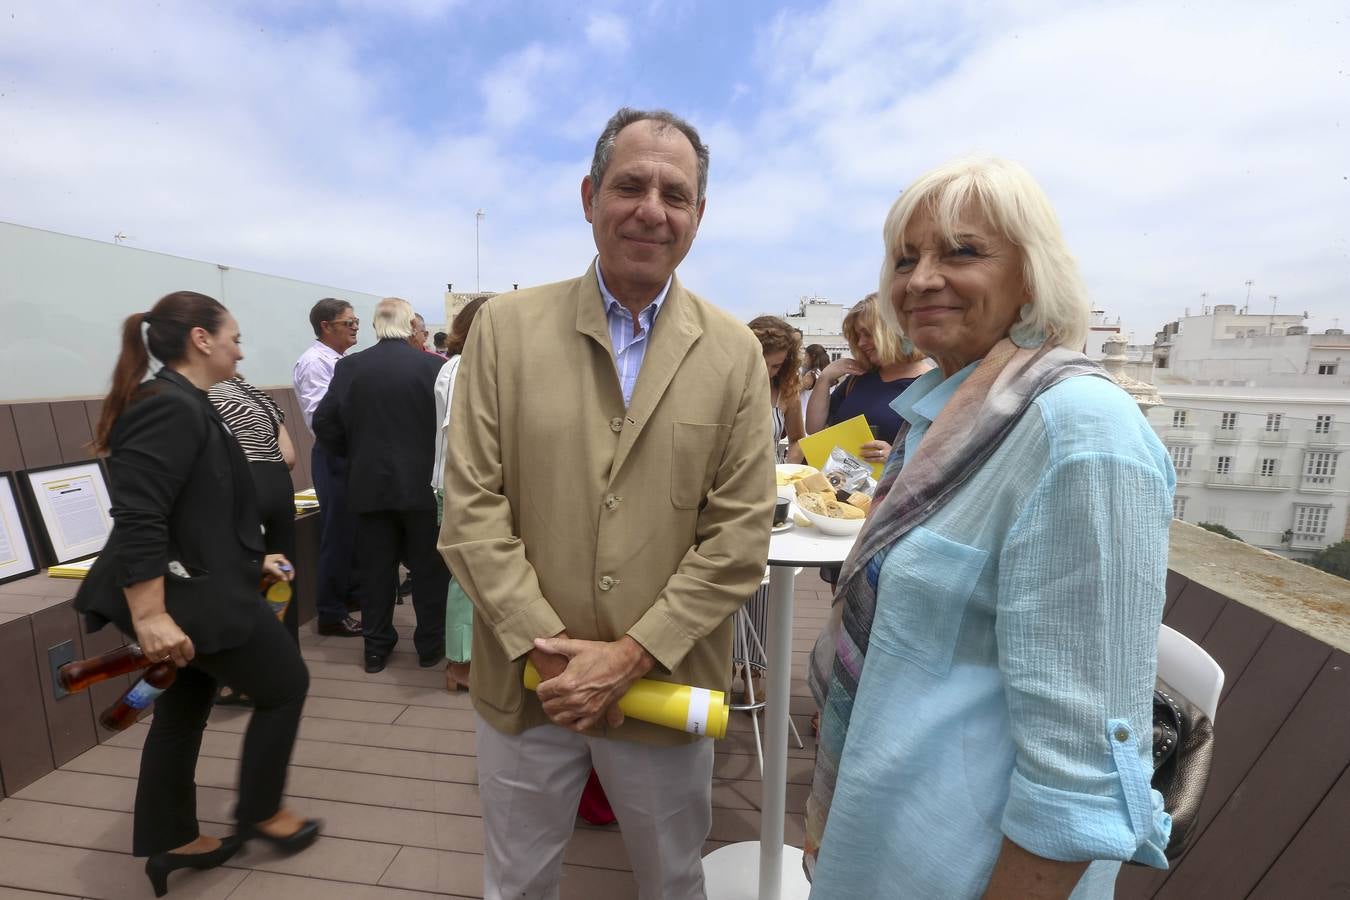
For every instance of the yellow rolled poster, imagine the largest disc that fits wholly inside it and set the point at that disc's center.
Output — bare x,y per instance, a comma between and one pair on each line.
680,706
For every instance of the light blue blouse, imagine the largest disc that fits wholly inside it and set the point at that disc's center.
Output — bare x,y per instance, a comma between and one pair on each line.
1008,682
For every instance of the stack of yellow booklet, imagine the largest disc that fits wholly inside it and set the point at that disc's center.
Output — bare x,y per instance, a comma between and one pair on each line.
306,500
72,569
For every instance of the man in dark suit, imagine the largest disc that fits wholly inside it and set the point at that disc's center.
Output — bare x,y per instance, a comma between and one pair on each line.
380,413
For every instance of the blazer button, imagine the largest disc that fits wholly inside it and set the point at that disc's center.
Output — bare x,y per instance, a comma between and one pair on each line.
612,501
616,424
606,582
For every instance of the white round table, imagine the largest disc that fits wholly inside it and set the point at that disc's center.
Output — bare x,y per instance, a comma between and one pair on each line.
730,872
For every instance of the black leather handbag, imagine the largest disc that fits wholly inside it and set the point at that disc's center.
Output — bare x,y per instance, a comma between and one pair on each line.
1183,747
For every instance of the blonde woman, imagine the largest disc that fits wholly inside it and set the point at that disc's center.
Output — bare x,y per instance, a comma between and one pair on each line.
868,382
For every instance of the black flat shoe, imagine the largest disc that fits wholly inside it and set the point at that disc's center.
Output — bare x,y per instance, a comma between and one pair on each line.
294,842
347,627
374,663
433,659
158,867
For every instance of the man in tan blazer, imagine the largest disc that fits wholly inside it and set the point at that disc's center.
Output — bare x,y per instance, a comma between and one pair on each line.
609,490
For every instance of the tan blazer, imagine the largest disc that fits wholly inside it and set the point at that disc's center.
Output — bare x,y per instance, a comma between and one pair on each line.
564,510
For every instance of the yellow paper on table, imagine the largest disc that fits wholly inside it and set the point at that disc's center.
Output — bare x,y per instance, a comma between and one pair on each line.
848,436
679,706
72,570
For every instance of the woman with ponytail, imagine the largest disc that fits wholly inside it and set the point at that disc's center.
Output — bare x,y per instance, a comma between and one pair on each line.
180,575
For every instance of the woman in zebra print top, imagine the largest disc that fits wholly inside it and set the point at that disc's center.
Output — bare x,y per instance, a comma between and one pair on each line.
259,425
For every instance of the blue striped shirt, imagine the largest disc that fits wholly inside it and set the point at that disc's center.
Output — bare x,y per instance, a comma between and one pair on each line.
629,348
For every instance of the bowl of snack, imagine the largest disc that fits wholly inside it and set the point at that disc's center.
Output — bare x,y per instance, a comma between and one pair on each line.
788,474
831,511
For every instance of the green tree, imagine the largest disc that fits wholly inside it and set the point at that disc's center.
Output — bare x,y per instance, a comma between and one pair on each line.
1218,529
1334,559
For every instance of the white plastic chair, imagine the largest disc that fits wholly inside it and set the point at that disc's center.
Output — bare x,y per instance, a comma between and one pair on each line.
1185,665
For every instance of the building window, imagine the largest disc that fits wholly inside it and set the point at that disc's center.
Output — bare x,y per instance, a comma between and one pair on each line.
1181,458
1178,418
1217,514
1319,467
1269,466
1223,465
1273,421
1310,522
1179,508
1228,421
1323,425
1326,368
1261,519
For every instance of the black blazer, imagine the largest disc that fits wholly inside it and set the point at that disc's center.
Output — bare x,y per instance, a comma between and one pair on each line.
380,413
181,491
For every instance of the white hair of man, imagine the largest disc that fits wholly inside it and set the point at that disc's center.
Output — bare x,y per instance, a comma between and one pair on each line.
1019,210
393,319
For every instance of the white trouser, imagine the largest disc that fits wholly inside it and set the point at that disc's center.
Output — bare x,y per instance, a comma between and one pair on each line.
530,785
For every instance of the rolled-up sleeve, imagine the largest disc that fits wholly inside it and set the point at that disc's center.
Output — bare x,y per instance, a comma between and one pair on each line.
1080,596
156,444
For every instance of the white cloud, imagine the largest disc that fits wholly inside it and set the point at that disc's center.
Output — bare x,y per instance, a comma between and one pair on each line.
1186,149
510,89
607,32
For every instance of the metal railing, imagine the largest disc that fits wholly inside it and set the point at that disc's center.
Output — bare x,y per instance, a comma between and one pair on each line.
1250,480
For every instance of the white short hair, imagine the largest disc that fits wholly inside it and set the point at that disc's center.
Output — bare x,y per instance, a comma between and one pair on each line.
1017,207
393,319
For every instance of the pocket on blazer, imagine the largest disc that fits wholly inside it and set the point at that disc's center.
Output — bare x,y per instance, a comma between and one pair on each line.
697,450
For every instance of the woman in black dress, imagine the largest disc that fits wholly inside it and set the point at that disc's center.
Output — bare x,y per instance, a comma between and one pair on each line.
180,573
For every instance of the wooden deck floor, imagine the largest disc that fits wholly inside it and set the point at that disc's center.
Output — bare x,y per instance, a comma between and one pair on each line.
387,762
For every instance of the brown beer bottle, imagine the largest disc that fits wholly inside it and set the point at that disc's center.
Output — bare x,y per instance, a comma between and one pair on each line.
156,680
78,675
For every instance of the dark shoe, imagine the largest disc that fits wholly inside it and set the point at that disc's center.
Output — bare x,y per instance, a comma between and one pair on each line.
346,627
294,842
158,867
405,588
375,662
228,696
432,659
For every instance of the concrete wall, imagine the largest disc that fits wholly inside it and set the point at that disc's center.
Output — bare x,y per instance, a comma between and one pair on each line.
63,299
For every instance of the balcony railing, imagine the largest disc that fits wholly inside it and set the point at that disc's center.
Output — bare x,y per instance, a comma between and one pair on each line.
1250,481
1272,437
1179,434
1226,435
1317,483
1303,540
1331,438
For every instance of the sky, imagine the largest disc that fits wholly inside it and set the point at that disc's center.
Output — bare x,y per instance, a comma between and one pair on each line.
1187,148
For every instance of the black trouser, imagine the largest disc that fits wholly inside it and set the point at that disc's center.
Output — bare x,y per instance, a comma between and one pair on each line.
385,538
276,505
269,669
337,540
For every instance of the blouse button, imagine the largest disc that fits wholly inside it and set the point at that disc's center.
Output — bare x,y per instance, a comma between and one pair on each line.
1122,734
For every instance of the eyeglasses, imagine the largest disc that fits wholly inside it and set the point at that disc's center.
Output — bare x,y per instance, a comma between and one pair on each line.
347,323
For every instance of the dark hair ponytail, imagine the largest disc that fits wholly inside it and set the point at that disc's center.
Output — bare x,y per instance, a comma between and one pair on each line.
170,322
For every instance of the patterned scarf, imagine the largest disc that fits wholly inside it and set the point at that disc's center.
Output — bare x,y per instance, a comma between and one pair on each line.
982,412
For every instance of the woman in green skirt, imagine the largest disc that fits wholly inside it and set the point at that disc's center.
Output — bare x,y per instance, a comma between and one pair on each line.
458,606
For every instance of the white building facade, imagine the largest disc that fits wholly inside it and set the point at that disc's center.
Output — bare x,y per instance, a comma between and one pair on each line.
820,321
1256,417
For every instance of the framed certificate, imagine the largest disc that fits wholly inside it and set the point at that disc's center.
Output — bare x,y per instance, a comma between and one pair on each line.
16,547
72,506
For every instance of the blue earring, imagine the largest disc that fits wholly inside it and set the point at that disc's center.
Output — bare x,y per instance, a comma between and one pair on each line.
906,346
1023,333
